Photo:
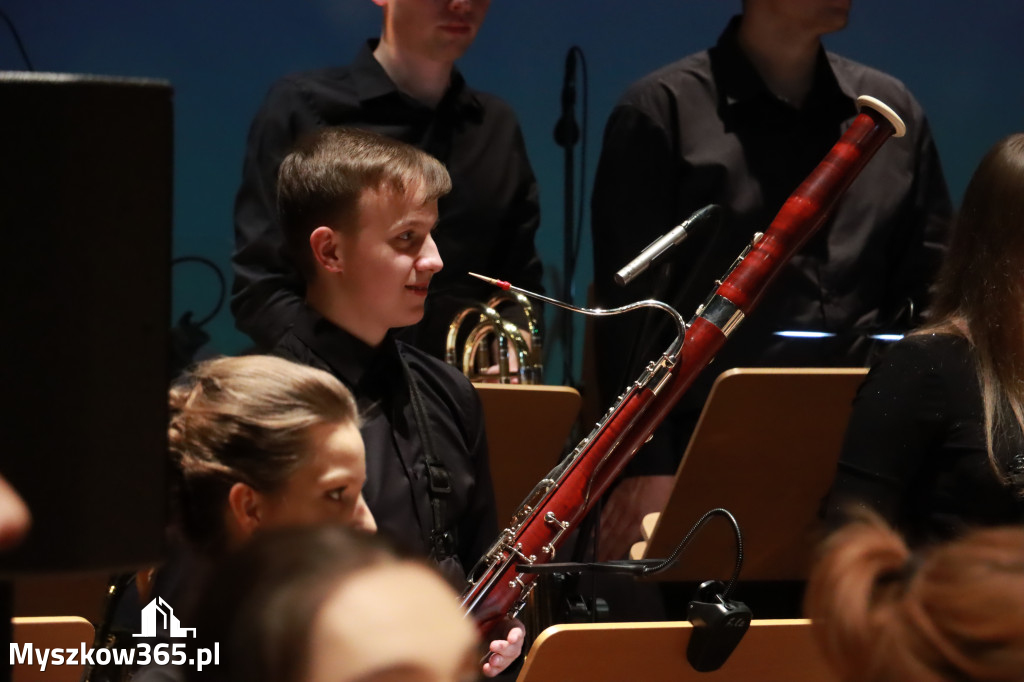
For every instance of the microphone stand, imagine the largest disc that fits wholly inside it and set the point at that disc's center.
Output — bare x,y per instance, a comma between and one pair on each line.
567,135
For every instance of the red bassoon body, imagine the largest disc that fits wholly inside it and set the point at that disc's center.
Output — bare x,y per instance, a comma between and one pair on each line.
557,505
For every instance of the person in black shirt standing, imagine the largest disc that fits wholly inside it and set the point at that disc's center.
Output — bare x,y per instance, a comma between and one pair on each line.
359,211
741,125
404,86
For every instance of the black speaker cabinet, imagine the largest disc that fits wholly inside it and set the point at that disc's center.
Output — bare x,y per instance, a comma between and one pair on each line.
85,224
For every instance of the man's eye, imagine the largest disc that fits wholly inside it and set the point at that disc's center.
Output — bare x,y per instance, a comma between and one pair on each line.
406,236
336,495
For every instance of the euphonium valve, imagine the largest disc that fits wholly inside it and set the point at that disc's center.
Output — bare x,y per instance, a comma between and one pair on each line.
492,331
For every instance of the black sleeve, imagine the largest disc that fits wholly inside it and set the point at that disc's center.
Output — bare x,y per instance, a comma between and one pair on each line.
924,228
897,420
267,291
634,201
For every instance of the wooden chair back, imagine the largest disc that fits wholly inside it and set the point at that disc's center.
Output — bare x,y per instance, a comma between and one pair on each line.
527,427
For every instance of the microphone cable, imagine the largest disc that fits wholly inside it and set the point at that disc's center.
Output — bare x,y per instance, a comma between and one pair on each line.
647,567
220,279
17,40
188,336
671,559
584,116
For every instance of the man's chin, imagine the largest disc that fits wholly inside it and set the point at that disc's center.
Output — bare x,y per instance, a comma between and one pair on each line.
414,317
453,46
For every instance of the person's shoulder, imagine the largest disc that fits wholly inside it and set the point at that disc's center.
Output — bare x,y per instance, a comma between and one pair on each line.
450,385
309,77
690,71
292,347
488,99
942,349
685,87
935,342
862,79
311,85
433,369
928,353
492,105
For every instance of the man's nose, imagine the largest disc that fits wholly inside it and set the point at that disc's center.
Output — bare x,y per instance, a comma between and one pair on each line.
364,520
430,257
460,5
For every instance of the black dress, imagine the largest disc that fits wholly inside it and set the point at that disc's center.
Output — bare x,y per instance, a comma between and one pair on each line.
915,446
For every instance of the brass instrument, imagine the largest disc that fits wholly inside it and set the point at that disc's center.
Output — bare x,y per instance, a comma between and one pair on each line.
491,329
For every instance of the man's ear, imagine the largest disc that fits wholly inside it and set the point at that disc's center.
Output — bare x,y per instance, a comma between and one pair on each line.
326,246
246,507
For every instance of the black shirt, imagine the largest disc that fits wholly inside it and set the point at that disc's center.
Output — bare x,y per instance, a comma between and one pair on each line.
707,130
487,222
396,487
915,446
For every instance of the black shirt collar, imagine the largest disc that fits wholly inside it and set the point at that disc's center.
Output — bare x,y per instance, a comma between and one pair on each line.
349,357
372,81
370,78
740,82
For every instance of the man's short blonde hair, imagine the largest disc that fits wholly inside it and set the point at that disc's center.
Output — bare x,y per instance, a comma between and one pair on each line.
321,180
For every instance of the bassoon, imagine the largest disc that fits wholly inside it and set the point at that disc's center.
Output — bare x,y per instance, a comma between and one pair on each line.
496,588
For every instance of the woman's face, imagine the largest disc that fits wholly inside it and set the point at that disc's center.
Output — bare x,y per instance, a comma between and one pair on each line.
326,487
372,629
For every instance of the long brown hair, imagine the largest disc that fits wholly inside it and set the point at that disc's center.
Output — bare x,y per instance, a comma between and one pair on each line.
954,612
979,293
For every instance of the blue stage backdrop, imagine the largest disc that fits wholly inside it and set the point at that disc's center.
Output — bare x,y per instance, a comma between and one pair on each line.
963,60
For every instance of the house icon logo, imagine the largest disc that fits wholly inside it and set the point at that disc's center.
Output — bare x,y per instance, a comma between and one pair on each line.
158,614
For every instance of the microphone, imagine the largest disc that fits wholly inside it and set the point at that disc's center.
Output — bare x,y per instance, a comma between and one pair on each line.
567,132
666,242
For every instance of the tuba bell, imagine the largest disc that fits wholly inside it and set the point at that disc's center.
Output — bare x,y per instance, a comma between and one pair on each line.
492,331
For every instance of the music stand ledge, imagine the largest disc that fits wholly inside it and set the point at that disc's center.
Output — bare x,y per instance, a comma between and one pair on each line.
771,651
765,448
